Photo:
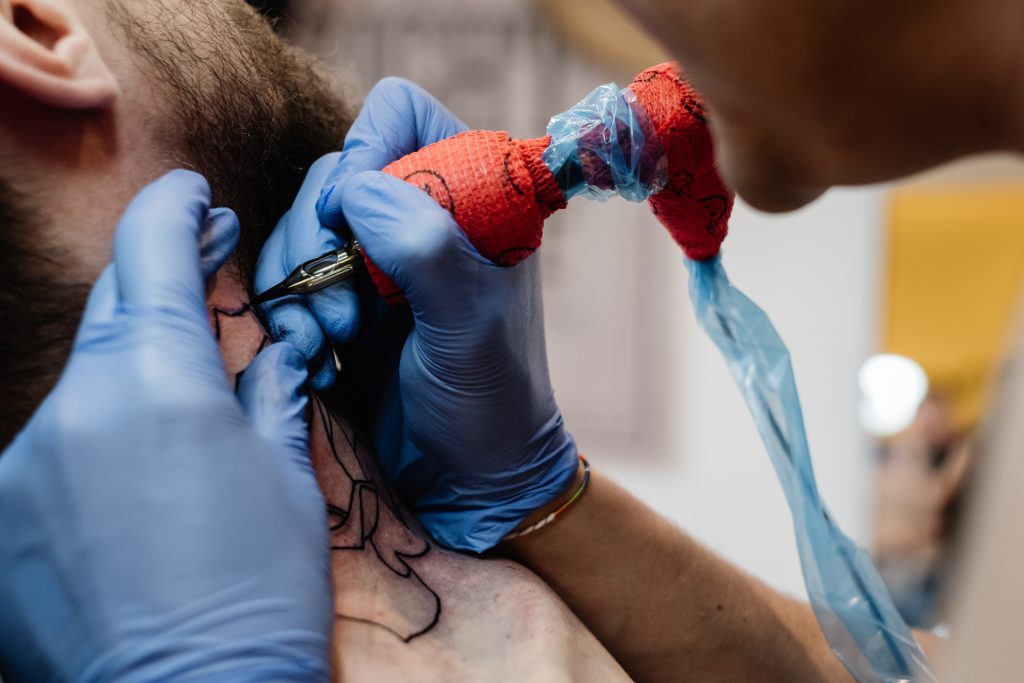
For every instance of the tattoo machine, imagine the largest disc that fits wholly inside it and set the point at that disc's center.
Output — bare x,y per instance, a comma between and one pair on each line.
650,142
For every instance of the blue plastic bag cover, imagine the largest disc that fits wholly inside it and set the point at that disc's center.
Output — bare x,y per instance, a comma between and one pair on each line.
850,601
607,130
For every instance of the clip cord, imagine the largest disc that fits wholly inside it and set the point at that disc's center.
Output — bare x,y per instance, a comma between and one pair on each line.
852,605
605,146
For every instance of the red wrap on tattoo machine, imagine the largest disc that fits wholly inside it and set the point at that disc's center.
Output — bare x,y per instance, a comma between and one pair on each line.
648,141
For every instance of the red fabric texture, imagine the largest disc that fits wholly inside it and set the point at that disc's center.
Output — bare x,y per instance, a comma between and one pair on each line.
500,191
694,205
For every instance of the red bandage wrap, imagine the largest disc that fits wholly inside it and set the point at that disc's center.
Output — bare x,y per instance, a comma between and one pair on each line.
500,191
694,205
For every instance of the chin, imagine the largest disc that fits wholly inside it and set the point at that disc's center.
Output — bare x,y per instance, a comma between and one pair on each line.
778,198
768,187
764,176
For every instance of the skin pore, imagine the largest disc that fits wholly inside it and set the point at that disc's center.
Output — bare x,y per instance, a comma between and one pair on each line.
205,84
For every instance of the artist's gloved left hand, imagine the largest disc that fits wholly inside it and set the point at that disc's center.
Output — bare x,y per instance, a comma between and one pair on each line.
467,428
155,525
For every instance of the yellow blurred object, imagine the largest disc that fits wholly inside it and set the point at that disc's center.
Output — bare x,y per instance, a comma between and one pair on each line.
956,263
604,33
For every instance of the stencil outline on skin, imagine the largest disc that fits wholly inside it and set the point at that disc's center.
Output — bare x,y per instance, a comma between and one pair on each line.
364,507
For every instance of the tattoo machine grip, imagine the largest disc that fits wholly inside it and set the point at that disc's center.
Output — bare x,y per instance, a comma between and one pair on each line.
647,141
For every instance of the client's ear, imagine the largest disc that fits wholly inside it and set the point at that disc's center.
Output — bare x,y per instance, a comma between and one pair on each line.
47,54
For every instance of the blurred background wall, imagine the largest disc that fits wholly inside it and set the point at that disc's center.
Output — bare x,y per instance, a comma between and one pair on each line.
647,396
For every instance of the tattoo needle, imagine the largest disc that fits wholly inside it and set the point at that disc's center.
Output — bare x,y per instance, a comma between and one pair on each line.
317,273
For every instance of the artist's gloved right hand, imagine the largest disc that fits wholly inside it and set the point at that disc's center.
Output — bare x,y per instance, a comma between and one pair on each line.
482,443
468,430
154,524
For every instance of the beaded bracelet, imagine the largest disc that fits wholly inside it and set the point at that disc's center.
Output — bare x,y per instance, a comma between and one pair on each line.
551,517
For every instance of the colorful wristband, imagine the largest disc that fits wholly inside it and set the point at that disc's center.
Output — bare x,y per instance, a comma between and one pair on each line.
554,515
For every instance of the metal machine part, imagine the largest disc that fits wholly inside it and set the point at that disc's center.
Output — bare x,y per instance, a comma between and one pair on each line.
317,273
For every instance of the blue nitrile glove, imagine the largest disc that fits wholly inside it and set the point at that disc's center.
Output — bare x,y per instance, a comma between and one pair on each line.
468,431
154,524
397,117
312,321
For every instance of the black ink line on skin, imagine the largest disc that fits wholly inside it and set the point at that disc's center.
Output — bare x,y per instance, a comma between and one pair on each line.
245,309
367,536
339,516
219,313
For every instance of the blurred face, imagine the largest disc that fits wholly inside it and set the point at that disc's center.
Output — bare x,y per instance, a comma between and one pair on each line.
806,94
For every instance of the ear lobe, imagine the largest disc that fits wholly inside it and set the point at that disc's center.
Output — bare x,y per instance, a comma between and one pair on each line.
46,53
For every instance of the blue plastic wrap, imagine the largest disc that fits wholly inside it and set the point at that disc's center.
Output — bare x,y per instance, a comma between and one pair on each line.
850,601
605,146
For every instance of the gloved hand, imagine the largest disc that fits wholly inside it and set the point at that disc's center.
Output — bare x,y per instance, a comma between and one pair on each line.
310,322
468,430
155,525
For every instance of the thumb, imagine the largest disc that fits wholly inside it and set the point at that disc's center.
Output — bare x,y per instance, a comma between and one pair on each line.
418,245
273,394
157,244
218,240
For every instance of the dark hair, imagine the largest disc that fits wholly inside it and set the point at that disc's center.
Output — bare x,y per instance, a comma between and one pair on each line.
37,317
272,9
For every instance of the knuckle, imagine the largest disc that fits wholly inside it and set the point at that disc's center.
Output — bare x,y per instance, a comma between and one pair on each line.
394,84
424,245
322,166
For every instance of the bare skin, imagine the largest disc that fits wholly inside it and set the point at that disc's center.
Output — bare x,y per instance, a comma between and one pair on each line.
666,606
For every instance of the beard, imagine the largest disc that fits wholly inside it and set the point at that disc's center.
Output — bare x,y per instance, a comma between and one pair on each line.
247,110
238,104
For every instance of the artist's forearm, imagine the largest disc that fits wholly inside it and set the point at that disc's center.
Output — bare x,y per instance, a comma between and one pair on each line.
665,606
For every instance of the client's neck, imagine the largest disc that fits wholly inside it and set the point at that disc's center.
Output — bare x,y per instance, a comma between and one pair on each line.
374,542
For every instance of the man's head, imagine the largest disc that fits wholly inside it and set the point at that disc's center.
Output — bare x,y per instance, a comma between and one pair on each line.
100,97
807,94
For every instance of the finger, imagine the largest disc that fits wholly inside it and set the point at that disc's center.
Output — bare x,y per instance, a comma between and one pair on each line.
218,240
417,244
298,238
336,308
289,320
308,323
272,393
156,248
397,118
100,307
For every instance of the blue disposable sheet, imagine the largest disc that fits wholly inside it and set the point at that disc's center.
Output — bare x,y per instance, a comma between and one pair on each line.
852,605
